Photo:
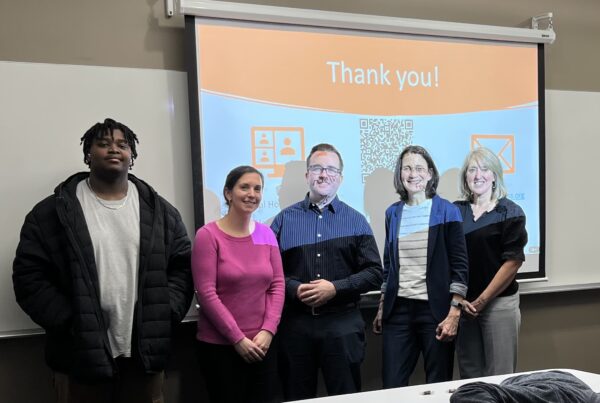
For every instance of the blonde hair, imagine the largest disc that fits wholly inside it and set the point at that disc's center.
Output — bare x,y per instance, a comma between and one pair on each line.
487,158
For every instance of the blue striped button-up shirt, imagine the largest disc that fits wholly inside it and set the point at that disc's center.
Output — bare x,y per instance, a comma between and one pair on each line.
335,244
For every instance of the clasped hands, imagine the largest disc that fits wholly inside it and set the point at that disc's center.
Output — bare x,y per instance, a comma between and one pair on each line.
316,293
472,309
446,330
254,350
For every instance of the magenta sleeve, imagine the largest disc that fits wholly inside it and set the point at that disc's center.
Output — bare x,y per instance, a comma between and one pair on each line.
275,293
204,272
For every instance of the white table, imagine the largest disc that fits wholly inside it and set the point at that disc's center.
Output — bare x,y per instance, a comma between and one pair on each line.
438,392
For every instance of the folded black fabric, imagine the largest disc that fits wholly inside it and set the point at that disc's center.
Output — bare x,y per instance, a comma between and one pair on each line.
539,387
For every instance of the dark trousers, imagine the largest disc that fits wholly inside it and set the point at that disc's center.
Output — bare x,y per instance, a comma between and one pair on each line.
408,331
132,385
333,342
229,379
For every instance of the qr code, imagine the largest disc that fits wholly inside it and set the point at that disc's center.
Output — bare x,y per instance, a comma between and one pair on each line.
381,141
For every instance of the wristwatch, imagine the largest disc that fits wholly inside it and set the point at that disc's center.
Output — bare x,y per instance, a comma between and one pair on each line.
456,303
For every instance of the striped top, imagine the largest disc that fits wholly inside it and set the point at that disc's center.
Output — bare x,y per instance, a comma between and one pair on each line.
335,244
413,234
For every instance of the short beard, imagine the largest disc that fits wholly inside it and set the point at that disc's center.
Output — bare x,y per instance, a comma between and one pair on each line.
321,204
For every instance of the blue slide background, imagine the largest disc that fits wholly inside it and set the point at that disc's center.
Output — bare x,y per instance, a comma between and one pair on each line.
227,122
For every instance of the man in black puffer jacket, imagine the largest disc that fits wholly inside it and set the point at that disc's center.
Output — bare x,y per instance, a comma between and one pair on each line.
103,266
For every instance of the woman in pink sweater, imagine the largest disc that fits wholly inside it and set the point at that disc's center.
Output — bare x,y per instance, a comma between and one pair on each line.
239,284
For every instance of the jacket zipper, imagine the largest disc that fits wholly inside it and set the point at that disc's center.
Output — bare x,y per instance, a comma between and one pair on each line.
61,210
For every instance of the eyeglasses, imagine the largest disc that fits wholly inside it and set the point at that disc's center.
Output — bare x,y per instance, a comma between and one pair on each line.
318,169
418,169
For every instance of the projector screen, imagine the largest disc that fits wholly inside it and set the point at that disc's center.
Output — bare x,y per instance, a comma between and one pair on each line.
266,93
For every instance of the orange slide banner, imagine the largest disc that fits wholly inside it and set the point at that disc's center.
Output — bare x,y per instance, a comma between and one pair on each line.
375,75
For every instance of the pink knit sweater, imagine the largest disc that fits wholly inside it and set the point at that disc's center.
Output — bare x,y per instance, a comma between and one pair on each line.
239,283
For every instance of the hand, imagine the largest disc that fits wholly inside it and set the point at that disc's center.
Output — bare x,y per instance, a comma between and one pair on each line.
316,293
480,303
377,328
263,340
469,309
248,350
446,330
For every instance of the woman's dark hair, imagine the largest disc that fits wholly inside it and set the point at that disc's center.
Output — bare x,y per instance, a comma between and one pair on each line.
106,128
234,176
431,188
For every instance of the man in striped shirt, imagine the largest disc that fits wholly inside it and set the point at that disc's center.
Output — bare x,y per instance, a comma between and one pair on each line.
329,258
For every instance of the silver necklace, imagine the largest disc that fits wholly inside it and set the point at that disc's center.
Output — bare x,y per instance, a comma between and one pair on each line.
103,202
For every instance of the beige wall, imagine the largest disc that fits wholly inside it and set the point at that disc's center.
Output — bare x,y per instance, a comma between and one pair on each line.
559,330
123,33
131,33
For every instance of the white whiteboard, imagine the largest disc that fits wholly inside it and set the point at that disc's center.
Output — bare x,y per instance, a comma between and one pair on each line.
45,109
572,192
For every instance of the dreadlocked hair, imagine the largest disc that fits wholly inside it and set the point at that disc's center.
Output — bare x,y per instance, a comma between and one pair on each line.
106,128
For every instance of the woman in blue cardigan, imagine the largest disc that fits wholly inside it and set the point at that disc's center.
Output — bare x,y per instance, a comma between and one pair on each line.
425,275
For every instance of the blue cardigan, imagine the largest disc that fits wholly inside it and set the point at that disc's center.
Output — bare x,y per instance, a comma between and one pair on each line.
447,263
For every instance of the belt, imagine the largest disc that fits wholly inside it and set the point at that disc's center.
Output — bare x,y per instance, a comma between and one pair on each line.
325,309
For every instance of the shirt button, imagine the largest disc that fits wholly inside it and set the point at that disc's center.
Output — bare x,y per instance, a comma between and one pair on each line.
320,216
318,255
319,235
318,275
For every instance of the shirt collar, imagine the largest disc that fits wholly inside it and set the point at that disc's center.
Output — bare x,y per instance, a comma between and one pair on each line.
333,206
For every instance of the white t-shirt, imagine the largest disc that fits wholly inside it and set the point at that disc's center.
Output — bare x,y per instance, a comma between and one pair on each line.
114,226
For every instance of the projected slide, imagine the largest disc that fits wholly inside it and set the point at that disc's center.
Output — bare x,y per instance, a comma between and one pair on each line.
267,95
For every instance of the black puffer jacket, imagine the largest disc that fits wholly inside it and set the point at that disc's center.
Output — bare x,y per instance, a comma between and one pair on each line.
56,282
